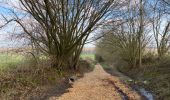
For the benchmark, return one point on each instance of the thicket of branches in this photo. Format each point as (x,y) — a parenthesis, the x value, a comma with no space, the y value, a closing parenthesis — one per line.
(161,28)
(129,38)
(143,27)
(60,28)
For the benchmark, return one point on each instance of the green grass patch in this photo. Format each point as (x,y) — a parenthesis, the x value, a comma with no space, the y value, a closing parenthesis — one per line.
(8,61)
(11,61)
(85,55)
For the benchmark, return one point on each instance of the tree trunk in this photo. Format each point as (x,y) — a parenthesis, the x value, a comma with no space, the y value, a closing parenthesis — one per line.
(140,32)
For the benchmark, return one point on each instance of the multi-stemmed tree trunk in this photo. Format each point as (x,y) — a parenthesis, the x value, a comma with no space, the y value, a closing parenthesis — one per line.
(59,28)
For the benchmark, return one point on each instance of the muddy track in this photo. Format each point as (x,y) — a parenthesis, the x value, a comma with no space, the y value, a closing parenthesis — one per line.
(99,85)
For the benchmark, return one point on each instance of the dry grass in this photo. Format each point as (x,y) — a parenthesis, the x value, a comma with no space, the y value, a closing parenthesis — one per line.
(19,83)
(156,74)
(29,81)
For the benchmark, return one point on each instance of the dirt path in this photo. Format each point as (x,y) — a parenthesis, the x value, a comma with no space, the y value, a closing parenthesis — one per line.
(98,85)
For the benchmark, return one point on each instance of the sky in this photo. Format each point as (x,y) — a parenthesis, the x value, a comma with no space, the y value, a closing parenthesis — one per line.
(5,34)
(5,41)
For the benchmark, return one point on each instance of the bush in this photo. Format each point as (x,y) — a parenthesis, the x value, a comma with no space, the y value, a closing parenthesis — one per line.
(99,58)
(149,58)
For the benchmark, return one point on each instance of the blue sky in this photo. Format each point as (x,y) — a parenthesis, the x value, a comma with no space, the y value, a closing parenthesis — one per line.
(5,41)
(4,33)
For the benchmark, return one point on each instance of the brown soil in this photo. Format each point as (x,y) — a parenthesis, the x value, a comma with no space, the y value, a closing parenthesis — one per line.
(98,85)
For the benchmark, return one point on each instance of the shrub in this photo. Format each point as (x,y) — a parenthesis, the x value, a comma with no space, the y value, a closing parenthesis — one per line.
(99,58)
(149,58)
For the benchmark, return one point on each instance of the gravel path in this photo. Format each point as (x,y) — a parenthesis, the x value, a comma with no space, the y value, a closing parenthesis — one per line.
(98,85)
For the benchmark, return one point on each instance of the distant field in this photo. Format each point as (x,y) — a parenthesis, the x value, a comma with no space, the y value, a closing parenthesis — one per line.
(10,60)
(88,52)
(84,55)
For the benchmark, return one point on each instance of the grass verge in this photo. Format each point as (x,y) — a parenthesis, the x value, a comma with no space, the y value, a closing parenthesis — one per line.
(153,76)
(36,82)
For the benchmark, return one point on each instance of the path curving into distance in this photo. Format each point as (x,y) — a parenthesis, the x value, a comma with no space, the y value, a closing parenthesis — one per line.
(99,85)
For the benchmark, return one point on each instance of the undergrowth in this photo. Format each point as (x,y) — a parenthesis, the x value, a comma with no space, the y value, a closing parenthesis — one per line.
(156,74)
(29,79)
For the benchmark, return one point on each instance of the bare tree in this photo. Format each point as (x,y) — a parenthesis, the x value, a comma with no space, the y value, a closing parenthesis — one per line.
(129,38)
(161,35)
(59,28)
